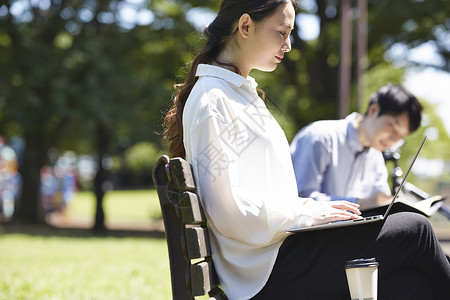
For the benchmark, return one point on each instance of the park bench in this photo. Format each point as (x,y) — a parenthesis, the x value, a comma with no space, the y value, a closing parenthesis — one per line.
(191,265)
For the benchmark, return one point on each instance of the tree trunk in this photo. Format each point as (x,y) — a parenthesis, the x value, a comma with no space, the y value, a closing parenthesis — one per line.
(101,177)
(29,208)
(99,194)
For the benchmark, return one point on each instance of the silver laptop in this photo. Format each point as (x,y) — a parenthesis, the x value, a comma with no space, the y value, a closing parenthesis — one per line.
(366,219)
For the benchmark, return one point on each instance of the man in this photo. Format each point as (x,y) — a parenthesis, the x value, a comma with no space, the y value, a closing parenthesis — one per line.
(342,159)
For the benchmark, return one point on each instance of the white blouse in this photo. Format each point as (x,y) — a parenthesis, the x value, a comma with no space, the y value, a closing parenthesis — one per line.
(244,175)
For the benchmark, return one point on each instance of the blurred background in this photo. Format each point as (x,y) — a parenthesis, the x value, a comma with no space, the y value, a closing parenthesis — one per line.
(84,85)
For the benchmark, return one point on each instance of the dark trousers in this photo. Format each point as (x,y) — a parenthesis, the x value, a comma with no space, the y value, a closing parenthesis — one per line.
(412,265)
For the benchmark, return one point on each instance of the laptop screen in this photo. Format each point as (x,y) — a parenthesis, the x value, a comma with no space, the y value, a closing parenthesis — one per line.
(404,178)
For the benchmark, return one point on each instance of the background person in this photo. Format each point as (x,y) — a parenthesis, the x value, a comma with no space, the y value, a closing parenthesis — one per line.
(10,180)
(343,159)
(246,183)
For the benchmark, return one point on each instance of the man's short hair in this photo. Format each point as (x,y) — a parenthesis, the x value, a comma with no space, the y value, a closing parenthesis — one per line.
(395,100)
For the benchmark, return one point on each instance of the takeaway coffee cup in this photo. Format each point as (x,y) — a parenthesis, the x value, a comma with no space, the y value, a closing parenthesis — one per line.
(362,278)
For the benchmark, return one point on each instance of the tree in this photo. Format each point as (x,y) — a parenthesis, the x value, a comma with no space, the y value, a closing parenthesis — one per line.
(76,78)
(78,75)
(312,95)
(31,91)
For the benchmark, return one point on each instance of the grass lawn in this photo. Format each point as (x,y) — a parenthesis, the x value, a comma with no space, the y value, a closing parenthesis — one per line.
(135,205)
(54,267)
(60,264)
(43,263)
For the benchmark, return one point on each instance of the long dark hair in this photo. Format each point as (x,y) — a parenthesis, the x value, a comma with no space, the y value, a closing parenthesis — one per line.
(218,33)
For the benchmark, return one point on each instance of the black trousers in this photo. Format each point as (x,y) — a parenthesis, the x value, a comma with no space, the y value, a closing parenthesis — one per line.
(412,265)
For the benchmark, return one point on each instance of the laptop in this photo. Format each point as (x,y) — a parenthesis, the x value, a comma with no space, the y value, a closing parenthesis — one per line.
(365,220)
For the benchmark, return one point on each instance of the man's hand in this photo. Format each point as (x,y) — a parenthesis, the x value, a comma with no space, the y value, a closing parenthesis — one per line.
(323,212)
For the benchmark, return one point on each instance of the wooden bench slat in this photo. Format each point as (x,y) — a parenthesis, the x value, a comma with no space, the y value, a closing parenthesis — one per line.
(217,294)
(190,207)
(202,278)
(197,242)
(181,174)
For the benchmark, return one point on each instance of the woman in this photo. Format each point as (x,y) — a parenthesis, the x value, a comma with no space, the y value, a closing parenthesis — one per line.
(245,179)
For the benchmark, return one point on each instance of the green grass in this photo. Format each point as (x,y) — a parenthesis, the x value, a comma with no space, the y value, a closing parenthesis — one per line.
(49,264)
(136,205)
(55,267)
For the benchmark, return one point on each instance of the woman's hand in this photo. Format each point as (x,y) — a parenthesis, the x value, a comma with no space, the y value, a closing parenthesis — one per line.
(323,212)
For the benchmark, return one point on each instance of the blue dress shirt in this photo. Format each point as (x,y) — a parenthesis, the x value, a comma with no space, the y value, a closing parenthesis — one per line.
(331,164)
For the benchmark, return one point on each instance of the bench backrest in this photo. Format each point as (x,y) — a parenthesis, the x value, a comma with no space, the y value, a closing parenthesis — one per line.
(191,266)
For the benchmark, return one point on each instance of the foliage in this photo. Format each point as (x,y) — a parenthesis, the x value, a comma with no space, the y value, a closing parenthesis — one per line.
(142,156)
(79,75)
(437,137)
(411,23)
(75,79)
(307,86)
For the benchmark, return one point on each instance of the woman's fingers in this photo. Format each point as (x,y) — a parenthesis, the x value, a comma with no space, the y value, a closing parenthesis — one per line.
(330,214)
(346,206)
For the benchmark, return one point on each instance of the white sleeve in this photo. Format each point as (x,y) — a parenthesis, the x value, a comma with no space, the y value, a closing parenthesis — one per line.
(241,185)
